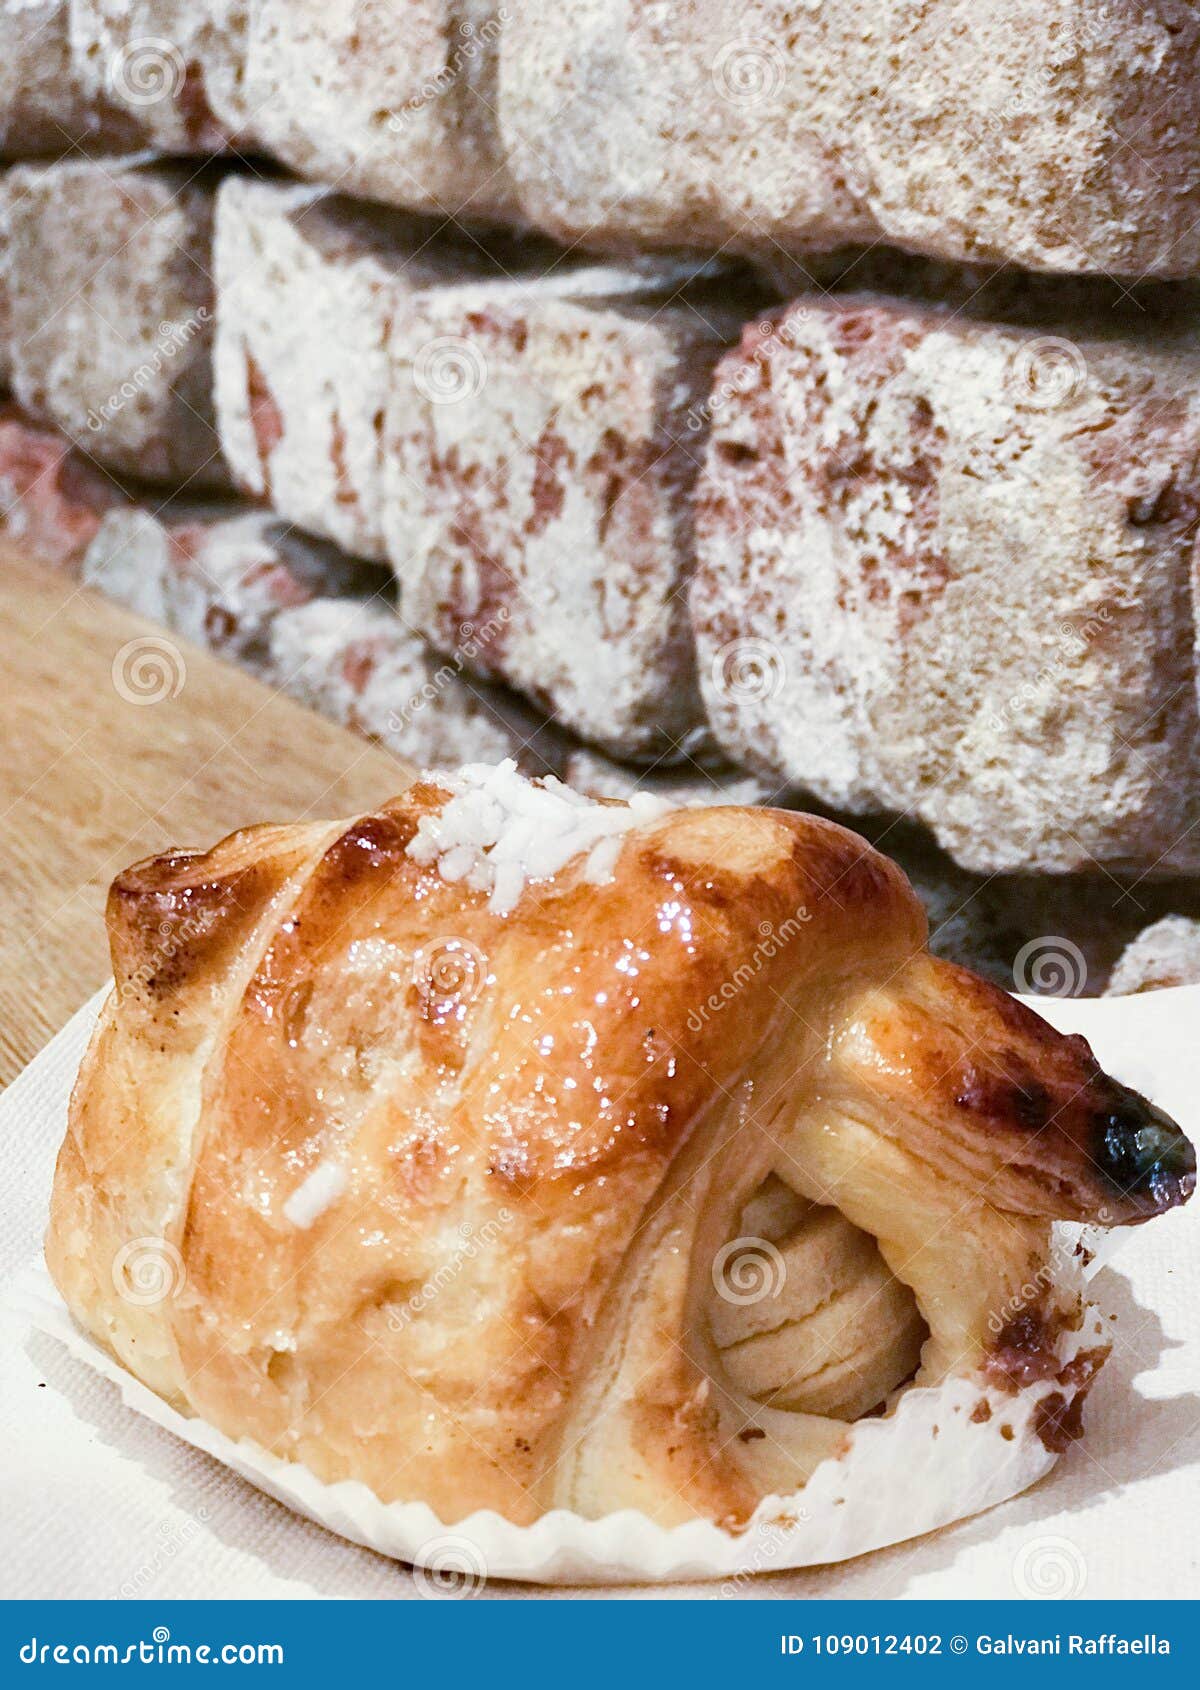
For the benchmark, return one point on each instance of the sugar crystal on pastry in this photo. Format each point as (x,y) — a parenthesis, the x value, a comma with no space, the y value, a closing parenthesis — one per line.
(499,830)
(311,1199)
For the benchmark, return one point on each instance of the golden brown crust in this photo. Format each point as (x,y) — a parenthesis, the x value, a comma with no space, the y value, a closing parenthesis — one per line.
(521,1131)
(175,927)
(173,916)
(1025,1108)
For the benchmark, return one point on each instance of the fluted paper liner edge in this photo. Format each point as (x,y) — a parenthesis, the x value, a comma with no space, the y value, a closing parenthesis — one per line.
(932,1460)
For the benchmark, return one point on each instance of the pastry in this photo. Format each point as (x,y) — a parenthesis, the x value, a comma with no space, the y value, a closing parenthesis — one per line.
(509,1150)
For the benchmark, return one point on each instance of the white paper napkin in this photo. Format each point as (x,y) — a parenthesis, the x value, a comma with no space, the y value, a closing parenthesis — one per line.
(107,1502)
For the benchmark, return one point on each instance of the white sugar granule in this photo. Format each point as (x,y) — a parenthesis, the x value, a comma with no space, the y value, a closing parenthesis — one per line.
(499,831)
(313,1196)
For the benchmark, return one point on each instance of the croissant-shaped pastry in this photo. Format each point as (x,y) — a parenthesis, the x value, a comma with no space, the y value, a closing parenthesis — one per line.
(507,1150)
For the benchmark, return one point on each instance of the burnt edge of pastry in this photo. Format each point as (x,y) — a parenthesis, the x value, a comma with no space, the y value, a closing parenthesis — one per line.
(1140,1150)
(169,916)
(1099,1150)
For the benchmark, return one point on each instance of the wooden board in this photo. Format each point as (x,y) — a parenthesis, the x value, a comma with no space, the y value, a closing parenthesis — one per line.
(120,740)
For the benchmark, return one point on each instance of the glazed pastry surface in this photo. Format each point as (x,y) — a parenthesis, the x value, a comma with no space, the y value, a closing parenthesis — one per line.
(457,1185)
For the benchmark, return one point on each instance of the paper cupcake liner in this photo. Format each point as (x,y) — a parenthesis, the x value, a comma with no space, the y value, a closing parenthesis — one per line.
(932,1460)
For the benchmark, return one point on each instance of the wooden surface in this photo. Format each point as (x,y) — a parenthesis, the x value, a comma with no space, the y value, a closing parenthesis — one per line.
(114,750)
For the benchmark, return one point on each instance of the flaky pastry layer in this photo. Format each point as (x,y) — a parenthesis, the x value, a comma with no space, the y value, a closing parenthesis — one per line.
(440,1198)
